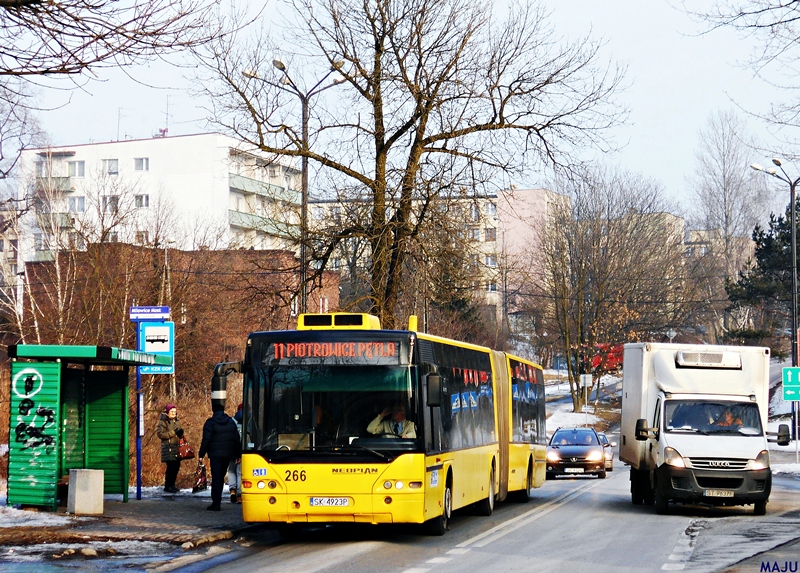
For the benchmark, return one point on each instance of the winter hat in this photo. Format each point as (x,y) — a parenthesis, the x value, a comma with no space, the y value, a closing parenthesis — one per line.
(239,409)
(169,407)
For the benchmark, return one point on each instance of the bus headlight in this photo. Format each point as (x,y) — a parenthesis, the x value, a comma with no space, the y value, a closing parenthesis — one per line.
(673,458)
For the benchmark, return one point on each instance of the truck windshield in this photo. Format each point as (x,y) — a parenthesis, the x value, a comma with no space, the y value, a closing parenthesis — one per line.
(324,407)
(717,417)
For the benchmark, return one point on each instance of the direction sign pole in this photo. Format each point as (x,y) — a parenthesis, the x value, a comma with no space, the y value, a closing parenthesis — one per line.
(139,429)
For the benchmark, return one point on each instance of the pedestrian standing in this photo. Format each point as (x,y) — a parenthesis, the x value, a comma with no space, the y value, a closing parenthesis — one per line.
(222,443)
(235,465)
(170,431)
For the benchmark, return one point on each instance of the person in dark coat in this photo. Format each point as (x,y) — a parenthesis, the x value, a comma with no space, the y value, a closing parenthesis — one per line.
(222,443)
(170,431)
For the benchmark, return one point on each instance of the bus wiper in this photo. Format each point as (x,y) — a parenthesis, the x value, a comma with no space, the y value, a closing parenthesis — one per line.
(370,450)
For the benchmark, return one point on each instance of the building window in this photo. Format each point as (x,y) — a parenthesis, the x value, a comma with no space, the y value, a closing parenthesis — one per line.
(111,166)
(491,287)
(476,212)
(110,203)
(13,245)
(13,267)
(491,209)
(76,241)
(474,260)
(491,261)
(474,233)
(77,204)
(491,234)
(141,200)
(142,238)
(77,168)
(39,242)
(141,164)
(41,169)
(2,245)
(112,238)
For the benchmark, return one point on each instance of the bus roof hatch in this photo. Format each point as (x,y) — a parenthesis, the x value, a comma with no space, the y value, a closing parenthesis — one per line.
(338,320)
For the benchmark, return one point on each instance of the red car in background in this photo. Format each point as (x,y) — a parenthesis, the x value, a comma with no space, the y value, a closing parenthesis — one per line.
(607,357)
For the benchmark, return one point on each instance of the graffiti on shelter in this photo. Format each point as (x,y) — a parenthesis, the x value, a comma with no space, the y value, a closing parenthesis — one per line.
(33,420)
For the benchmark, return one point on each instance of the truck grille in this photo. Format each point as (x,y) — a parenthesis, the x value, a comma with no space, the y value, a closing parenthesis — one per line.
(719,483)
(718,464)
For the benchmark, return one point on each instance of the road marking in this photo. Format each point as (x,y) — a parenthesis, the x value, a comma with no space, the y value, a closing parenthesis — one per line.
(439,560)
(522,520)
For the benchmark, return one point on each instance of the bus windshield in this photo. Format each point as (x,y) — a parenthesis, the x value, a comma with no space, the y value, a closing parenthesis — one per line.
(323,407)
(712,416)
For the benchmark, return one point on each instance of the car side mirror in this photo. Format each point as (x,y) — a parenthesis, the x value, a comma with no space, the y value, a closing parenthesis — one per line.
(434,382)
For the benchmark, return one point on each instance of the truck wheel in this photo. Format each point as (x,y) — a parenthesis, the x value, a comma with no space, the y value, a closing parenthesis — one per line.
(661,501)
(760,508)
(637,497)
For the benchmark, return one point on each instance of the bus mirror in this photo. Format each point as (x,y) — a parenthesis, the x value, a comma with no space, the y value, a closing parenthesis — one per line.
(434,390)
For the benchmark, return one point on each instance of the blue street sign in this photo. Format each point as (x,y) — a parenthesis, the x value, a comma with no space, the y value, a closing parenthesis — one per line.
(157,338)
(149,313)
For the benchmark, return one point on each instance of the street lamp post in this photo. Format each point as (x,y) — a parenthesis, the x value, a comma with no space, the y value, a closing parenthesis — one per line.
(783,176)
(288,85)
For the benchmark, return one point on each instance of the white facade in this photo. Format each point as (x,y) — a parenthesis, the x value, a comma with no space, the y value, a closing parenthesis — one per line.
(188,192)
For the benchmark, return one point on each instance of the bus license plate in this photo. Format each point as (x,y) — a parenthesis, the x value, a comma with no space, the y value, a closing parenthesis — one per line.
(573,470)
(330,501)
(717,493)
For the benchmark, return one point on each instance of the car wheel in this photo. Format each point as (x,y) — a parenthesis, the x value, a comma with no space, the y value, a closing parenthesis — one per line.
(549,475)
(602,474)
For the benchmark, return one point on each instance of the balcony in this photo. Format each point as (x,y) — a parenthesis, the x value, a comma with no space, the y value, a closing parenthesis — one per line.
(50,184)
(256,187)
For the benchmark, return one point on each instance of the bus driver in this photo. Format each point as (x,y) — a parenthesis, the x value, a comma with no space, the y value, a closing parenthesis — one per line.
(396,427)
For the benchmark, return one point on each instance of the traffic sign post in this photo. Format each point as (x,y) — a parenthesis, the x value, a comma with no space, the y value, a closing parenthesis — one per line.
(154,316)
(791,393)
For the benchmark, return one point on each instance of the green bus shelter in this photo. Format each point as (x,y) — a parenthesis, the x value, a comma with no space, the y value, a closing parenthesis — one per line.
(69,410)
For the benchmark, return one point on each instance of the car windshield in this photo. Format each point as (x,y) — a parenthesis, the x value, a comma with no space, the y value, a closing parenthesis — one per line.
(574,438)
(712,417)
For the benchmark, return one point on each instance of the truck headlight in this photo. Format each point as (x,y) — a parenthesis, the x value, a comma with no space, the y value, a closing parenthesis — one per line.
(760,463)
(673,458)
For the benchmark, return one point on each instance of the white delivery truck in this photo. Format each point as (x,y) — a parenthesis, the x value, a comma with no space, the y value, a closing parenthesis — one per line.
(694,421)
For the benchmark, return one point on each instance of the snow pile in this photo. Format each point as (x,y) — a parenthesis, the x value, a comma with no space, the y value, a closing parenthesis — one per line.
(10,517)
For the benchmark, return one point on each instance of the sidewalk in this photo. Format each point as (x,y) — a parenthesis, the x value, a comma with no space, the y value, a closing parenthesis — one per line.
(179,519)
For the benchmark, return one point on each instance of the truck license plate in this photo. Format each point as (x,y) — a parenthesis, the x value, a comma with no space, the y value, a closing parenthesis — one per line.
(330,501)
(573,470)
(717,493)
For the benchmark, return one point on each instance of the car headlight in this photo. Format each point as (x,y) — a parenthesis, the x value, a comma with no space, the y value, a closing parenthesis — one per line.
(673,458)
(594,456)
(553,456)
(760,463)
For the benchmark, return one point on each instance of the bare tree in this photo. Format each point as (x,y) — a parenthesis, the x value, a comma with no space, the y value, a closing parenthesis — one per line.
(431,97)
(43,37)
(730,200)
(612,265)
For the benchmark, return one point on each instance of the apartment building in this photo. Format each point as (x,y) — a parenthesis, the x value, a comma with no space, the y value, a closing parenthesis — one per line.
(203,191)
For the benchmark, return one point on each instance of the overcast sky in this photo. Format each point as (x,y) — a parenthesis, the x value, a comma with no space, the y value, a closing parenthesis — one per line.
(677,78)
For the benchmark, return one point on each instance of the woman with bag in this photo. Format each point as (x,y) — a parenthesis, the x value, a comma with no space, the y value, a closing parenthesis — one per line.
(170,432)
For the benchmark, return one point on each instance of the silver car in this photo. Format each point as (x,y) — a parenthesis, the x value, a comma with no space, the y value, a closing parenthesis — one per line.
(608,450)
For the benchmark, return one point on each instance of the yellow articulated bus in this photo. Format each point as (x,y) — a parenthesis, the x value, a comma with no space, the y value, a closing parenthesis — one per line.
(346,423)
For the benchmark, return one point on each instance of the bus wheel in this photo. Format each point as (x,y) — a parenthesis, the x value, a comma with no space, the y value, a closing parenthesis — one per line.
(524,495)
(486,506)
(438,525)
